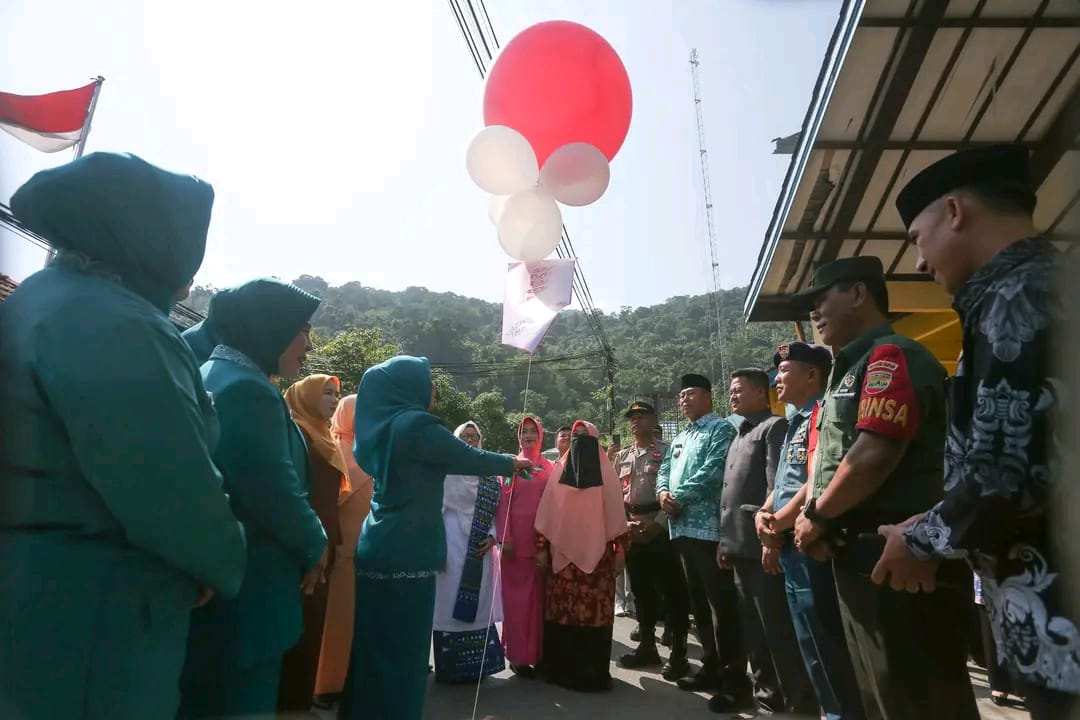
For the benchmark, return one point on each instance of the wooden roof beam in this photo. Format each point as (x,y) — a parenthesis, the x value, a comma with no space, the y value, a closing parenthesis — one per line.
(916,45)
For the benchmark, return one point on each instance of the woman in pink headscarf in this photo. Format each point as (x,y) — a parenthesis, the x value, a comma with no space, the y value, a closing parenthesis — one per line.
(354,503)
(522,580)
(583,540)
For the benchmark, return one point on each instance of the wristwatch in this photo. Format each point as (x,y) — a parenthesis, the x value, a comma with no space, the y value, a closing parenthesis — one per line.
(811,513)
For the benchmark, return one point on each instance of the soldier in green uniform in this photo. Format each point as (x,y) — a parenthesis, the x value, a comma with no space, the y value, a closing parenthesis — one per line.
(879,461)
(655,577)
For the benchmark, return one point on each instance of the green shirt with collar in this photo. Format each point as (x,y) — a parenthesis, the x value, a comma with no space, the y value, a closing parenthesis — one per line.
(693,472)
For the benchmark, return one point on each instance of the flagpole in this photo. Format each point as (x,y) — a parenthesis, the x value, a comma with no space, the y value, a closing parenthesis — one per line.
(82,140)
(89,118)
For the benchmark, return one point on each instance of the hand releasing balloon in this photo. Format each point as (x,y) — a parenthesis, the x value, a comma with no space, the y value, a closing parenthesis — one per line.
(559,82)
(576,174)
(530,226)
(501,161)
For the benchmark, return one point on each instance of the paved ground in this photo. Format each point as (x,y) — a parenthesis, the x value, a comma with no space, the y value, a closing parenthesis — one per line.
(636,696)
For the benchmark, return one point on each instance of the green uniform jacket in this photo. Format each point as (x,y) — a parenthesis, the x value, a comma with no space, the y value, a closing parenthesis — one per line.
(111,511)
(891,385)
(263,457)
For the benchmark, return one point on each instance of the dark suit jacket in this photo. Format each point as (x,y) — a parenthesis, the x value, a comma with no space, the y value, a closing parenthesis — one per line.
(748,479)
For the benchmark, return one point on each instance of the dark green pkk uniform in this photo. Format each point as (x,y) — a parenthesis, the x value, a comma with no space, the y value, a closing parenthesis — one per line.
(112,513)
(237,645)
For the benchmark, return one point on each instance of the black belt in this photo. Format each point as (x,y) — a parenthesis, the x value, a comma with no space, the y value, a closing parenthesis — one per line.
(643,508)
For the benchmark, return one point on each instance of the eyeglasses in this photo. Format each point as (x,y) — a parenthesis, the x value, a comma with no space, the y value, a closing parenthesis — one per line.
(469,436)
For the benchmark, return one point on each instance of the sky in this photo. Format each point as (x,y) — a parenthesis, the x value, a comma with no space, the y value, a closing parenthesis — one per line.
(335,135)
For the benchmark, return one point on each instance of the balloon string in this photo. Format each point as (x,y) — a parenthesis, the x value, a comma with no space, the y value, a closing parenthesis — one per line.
(496,585)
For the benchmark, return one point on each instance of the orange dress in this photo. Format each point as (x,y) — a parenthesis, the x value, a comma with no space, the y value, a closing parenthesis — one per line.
(354,504)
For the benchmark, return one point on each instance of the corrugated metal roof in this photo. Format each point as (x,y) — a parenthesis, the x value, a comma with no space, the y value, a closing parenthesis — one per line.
(904,84)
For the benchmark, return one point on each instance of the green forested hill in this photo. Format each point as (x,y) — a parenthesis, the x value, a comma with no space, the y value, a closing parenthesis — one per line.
(357,326)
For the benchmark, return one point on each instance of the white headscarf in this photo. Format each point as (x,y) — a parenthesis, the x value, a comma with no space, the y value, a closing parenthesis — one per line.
(469,424)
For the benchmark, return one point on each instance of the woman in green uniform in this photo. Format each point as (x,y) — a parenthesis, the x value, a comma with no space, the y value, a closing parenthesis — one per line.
(236,646)
(113,522)
(409,453)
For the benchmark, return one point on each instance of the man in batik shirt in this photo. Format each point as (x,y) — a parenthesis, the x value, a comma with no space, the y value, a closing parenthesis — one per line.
(970,215)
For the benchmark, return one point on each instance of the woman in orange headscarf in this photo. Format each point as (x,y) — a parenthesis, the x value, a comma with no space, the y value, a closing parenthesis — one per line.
(583,539)
(312,402)
(354,503)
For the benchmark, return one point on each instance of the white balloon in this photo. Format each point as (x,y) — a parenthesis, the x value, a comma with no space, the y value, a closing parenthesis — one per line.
(530,226)
(496,207)
(501,161)
(576,174)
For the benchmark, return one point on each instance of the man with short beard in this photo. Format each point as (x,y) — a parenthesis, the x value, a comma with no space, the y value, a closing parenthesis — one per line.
(970,215)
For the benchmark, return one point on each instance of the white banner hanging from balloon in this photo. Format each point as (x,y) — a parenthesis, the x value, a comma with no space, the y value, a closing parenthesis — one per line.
(535,293)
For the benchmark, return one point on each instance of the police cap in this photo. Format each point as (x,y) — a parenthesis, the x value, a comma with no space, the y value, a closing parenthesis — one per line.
(640,408)
(1005,166)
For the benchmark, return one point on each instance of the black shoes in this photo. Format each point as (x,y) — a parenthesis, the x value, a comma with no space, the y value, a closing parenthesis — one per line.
(523,671)
(676,666)
(703,679)
(643,656)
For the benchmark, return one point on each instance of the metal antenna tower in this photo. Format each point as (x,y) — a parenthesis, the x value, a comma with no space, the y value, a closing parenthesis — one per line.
(714,254)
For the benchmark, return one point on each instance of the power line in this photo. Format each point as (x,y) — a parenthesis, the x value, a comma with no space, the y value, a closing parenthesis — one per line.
(565,249)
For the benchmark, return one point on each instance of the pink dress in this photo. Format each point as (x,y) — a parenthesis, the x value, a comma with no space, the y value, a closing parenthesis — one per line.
(523,586)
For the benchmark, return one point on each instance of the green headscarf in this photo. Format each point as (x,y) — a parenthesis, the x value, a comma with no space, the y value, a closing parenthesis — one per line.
(203,337)
(392,392)
(143,224)
(260,318)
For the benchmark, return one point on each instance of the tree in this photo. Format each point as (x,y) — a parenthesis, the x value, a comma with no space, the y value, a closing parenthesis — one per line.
(349,354)
(489,412)
(451,405)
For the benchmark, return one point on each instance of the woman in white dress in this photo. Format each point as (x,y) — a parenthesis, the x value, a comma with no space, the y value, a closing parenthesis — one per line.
(467,645)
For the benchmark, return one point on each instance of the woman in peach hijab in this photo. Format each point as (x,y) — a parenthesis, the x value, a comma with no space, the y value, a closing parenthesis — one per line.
(354,503)
(312,402)
(583,540)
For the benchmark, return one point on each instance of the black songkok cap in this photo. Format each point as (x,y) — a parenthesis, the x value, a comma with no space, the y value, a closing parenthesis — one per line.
(999,164)
(693,380)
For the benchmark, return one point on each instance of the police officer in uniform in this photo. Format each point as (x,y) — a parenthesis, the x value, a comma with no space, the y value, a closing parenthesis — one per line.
(881,430)
(655,576)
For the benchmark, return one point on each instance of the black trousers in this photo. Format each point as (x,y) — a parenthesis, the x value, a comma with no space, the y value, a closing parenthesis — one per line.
(658,584)
(1000,680)
(715,605)
(909,650)
(776,666)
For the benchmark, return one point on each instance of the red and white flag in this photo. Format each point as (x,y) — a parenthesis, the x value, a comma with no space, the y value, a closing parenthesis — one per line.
(49,123)
(535,293)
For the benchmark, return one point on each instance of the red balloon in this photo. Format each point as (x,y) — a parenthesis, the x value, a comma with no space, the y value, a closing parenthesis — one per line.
(559,82)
